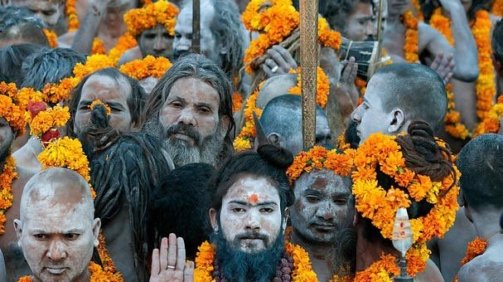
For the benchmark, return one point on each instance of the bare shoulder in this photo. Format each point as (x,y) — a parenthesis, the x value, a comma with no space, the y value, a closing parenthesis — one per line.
(66,39)
(130,55)
(432,40)
(481,269)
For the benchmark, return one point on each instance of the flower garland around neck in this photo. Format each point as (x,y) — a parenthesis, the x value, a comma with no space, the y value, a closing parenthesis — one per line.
(124,43)
(322,89)
(98,47)
(237,102)
(52,37)
(149,66)
(7,177)
(71,14)
(411,43)
(485,87)
(301,272)
(474,249)
(149,16)
(275,23)
(497,8)
(418,10)
(44,121)
(491,123)
(245,138)
(10,109)
(318,158)
(96,271)
(383,153)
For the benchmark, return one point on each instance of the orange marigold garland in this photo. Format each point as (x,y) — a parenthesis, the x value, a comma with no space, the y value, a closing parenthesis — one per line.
(12,113)
(98,47)
(71,13)
(52,38)
(244,141)
(237,102)
(124,43)
(301,272)
(98,274)
(474,249)
(93,63)
(411,44)
(98,102)
(47,120)
(322,89)
(7,177)
(380,205)
(149,16)
(146,67)
(497,8)
(491,123)
(318,158)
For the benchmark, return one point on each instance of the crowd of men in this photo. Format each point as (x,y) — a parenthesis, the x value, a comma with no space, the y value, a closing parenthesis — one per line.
(170,193)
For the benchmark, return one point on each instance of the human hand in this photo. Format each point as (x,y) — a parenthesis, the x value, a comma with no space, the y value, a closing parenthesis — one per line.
(348,77)
(444,66)
(279,61)
(168,264)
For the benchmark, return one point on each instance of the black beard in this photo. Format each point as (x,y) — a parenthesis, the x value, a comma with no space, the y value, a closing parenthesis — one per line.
(239,266)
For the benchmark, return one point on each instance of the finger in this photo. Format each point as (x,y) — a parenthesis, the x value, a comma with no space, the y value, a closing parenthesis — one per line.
(180,253)
(155,262)
(354,73)
(278,59)
(286,56)
(164,254)
(172,250)
(188,272)
(267,70)
(270,63)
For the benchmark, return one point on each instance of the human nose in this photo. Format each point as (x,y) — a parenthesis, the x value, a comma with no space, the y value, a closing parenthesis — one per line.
(252,221)
(326,211)
(187,117)
(57,250)
(356,115)
(158,44)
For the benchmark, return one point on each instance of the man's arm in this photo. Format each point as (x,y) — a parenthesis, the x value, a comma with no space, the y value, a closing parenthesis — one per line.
(465,50)
(3,272)
(83,41)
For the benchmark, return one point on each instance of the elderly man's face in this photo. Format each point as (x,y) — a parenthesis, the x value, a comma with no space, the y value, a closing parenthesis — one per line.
(111,92)
(190,120)
(156,42)
(46,10)
(57,237)
(322,206)
(182,43)
(250,216)
(6,138)
(359,25)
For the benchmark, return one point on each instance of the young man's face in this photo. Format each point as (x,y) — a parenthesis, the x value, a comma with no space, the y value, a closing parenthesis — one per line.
(359,24)
(111,92)
(49,11)
(250,216)
(322,206)
(156,42)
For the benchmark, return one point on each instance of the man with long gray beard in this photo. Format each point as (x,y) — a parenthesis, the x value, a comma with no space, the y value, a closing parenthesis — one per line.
(191,110)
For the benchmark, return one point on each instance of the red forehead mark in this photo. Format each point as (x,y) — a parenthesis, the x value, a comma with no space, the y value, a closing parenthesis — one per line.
(253,198)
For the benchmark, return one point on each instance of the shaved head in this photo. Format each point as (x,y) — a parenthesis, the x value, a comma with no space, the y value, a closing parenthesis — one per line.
(275,86)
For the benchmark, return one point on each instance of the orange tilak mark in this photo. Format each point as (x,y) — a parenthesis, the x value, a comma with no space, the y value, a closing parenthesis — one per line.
(253,198)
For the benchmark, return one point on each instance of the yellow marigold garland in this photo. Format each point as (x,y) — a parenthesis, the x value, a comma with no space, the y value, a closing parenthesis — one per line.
(98,102)
(411,44)
(244,141)
(237,102)
(71,13)
(322,88)
(491,123)
(52,38)
(149,16)
(93,63)
(497,8)
(474,249)
(124,43)
(97,275)
(7,177)
(51,118)
(301,272)
(380,205)
(318,158)
(12,113)
(275,24)
(98,47)
(146,67)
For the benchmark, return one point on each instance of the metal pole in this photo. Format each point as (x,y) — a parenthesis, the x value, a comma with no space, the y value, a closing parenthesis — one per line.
(309,64)
(196,26)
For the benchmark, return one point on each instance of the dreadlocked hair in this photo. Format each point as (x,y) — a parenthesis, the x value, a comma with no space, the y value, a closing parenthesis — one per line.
(130,170)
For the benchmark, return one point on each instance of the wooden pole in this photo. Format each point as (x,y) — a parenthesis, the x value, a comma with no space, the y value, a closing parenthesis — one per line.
(309,64)
(196,26)
(380,32)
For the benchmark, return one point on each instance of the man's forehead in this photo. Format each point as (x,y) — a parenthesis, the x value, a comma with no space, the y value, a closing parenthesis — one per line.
(322,180)
(194,88)
(253,190)
(98,85)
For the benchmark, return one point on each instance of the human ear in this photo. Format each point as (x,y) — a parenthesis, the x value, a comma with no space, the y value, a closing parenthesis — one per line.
(96,231)
(213,219)
(285,219)
(225,121)
(274,138)
(397,121)
(18,226)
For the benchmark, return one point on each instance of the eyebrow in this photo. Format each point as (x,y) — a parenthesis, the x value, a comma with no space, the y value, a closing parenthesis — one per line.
(312,191)
(243,203)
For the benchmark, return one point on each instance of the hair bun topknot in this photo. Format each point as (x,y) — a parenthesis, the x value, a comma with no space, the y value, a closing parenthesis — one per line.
(276,156)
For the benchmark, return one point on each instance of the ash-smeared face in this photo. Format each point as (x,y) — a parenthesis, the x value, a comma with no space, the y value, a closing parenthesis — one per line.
(323,206)
(250,217)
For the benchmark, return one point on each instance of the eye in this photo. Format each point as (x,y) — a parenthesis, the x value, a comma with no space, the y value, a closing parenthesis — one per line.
(149,36)
(312,199)
(166,35)
(341,202)
(49,13)
(266,210)
(40,236)
(204,110)
(72,236)
(178,35)
(238,210)
(176,104)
